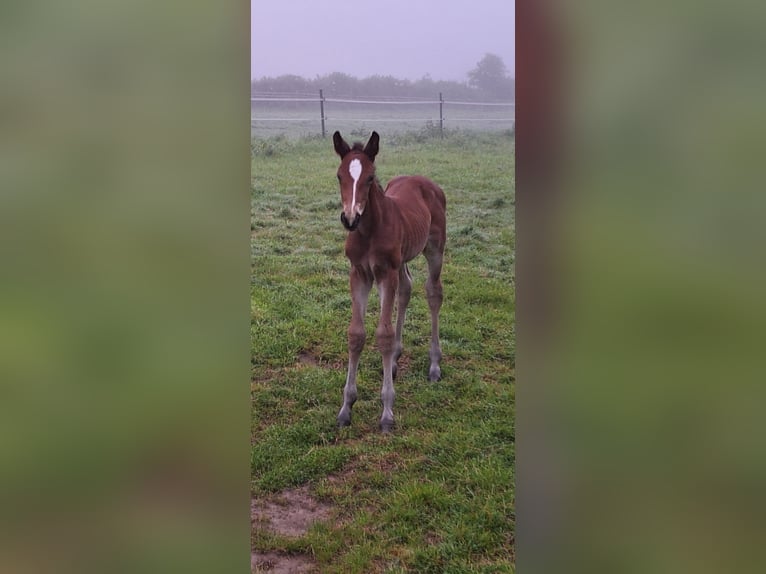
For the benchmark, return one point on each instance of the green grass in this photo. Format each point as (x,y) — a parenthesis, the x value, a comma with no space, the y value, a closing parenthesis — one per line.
(438,494)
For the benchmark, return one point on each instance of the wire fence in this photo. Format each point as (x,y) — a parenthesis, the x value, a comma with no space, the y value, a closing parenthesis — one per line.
(306,114)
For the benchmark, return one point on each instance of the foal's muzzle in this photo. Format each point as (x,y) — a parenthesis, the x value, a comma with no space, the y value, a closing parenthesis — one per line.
(350,226)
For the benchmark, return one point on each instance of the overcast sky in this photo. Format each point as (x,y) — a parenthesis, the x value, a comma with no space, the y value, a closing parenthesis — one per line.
(401,38)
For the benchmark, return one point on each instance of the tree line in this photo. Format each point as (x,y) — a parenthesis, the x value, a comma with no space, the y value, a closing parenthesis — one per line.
(489,80)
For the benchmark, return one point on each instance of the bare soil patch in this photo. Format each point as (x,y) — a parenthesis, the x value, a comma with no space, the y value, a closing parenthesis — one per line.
(306,358)
(312,358)
(274,563)
(289,513)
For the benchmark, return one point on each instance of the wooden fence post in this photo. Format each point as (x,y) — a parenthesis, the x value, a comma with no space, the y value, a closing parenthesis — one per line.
(321,110)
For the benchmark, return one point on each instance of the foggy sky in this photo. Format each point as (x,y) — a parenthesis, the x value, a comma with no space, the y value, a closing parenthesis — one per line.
(402,38)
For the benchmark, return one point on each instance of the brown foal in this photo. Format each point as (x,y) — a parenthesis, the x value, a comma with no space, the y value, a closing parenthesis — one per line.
(386,230)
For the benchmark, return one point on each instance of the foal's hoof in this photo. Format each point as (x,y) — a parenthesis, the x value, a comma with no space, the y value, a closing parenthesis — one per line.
(344,421)
(434,374)
(386,427)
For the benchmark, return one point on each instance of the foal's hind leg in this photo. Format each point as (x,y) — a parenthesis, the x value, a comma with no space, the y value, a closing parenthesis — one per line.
(402,300)
(434,254)
(360,283)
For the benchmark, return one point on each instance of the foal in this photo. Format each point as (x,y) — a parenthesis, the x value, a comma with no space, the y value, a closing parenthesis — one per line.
(386,230)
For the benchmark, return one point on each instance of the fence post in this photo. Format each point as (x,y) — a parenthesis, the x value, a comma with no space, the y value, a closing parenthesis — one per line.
(321,110)
(441,115)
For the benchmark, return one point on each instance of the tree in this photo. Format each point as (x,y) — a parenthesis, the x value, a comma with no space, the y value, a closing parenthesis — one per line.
(339,84)
(491,76)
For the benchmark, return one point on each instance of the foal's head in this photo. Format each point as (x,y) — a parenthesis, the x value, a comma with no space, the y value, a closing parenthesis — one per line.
(356,175)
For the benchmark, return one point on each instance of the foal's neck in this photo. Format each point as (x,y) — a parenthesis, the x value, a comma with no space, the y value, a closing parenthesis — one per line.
(373,213)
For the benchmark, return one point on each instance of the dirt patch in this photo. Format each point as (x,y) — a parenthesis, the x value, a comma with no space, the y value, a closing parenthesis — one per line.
(313,359)
(274,563)
(306,358)
(403,364)
(289,513)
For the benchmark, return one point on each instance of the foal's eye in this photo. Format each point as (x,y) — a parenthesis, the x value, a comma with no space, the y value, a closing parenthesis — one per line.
(369,179)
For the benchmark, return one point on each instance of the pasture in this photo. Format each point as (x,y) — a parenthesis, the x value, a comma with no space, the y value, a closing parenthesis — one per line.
(436,495)
(301,119)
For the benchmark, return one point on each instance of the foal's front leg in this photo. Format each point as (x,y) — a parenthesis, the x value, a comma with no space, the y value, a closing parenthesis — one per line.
(388,282)
(360,283)
(402,300)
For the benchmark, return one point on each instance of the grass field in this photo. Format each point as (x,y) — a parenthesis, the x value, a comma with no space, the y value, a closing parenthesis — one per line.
(437,495)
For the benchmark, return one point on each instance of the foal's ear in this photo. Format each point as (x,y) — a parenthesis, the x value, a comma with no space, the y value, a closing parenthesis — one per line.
(371,149)
(341,147)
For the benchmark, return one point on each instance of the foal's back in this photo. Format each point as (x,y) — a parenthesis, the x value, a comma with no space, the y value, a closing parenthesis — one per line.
(402,186)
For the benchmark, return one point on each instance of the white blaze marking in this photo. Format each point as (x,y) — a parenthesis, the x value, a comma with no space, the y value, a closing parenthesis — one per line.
(355,169)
